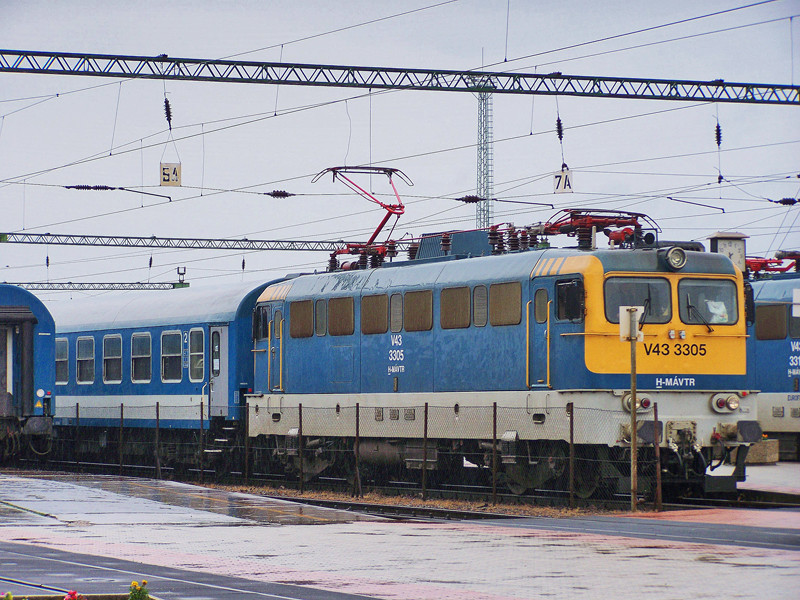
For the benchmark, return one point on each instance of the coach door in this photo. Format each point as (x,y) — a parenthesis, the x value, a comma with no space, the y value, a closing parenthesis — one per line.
(275,353)
(218,373)
(540,312)
(6,371)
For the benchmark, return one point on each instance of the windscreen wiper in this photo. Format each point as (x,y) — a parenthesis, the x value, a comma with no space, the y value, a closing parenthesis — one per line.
(645,308)
(692,308)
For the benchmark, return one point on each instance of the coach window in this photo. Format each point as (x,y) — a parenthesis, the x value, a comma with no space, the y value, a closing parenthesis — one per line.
(771,322)
(216,354)
(480,306)
(540,299)
(112,359)
(171,369)
(396,313)
(62,361)
(140,358)
(454,308)
(341,320)
(505,303)
(569,300)
(196,355)
(320,317)
(374,314)
(85,360)
(301,319)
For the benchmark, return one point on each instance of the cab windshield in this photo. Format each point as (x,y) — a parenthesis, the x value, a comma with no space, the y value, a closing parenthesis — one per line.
(653,293)
(707,301)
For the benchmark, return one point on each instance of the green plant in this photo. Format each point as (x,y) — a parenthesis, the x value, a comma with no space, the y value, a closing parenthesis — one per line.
(139,592)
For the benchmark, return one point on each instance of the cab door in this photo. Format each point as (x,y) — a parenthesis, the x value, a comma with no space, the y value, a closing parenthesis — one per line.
(540,314)
(275,335)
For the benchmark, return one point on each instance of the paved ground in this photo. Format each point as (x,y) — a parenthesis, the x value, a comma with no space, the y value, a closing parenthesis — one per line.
(251,543)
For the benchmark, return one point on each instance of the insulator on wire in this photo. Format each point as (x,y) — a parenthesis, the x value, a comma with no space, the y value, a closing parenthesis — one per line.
(168,112)
(279,194)
(242,264)
(47,261)
(559,129)
(150,265)
(718,135)
(786,201)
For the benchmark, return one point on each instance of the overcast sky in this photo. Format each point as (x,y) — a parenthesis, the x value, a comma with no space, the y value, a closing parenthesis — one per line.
(236,141)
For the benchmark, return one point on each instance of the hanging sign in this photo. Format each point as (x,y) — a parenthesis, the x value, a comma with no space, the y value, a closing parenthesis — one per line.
(562,182)
(171,174)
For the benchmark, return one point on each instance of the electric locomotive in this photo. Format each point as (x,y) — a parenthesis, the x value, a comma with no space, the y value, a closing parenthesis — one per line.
(774,353)
(26,374)
(481,321)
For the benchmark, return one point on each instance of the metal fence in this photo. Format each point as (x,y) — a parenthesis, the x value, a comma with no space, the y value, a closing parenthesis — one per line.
(569,451)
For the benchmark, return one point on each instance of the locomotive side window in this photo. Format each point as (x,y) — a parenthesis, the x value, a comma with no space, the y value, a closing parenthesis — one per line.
(540,300)
(374,314)
(140,358)
(771,322)
(320,317)
(704,301)
(794,325)
(480,306)
(264,316)
(277,327)
(112,359)
(505,303)
(171,370)
(301,319)
(340,316)
(62,361)
(396,313)
(454,308)
(651,292)
(196,355)
(85,360)
(418,310)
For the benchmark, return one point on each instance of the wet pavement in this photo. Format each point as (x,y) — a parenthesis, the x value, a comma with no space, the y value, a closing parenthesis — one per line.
(257,542)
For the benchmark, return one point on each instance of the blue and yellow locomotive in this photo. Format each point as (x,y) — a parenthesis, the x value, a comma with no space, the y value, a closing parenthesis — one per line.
(466,325)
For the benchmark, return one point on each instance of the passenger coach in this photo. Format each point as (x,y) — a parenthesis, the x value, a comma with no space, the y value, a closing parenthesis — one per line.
(186,351)
(26,373)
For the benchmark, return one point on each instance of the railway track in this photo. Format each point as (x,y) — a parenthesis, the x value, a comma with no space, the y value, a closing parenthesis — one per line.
(476,495)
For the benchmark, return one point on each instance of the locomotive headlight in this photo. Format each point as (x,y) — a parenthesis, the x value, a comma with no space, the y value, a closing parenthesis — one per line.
(732,402)
(40,393)
(675,258)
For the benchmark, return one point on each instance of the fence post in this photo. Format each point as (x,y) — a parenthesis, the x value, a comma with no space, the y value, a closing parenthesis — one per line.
(78,435)
(425,456)
(158,444)
(121,426)
(300,443)
(657,444)
(246,441)
(571,415)
(202,441)
(357,491)
(494,453)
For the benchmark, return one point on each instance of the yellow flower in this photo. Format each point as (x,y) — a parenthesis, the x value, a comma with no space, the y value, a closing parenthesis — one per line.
(144,582)
(135,584)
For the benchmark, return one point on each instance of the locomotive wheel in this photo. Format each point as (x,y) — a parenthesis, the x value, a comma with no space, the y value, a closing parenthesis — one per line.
(587,472)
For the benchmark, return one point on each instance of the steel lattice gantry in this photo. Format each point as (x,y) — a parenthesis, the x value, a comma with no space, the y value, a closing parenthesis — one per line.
(70,286)
(126,241)
(234,71)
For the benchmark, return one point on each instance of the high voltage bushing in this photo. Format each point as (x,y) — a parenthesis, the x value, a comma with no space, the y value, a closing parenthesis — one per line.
(362,260)
(523,239)
(413,248)
(333,264)
(391,249)
(446,243)
(513,240)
